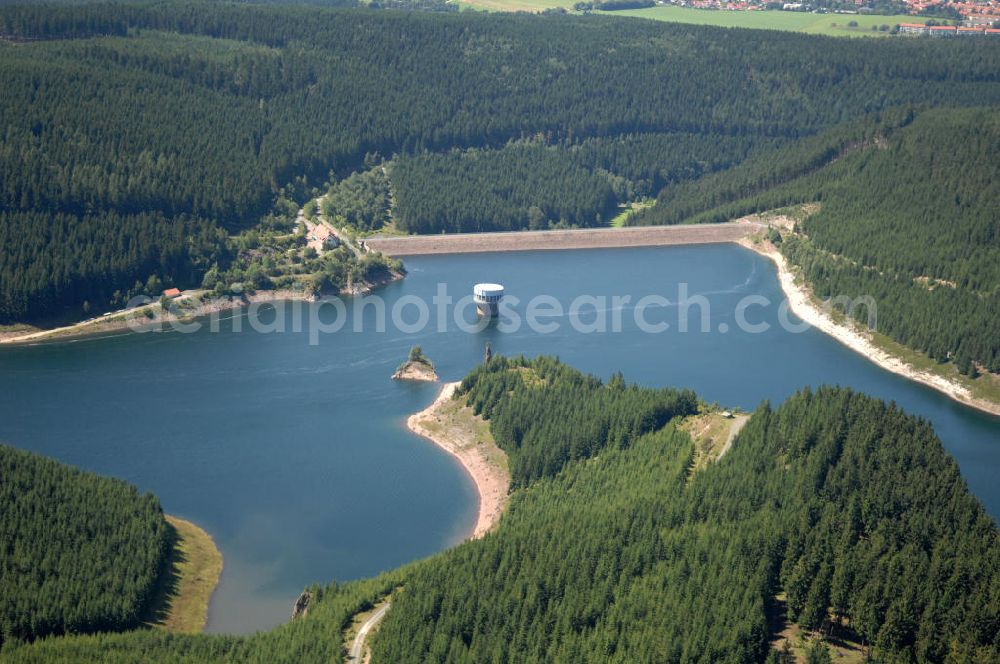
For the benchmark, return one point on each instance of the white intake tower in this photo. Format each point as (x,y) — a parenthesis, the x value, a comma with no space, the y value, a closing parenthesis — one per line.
(487,297)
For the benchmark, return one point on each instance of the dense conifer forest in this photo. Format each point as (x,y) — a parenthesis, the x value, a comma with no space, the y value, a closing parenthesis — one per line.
(846,505)
(78,552)
(534,185)
(833,510)
(573,417)
(155,144)
(196,115)
(907,214)
(361,200)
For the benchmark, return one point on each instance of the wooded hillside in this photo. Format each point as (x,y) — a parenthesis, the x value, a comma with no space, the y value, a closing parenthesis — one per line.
(833,509)
(194,115)
(907,214)
(843,504)
(78,552)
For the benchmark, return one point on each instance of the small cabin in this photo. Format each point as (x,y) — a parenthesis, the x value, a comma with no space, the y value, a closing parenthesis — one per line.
(171,293)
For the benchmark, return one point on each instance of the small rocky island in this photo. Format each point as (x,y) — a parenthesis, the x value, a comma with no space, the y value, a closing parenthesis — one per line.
(416,367)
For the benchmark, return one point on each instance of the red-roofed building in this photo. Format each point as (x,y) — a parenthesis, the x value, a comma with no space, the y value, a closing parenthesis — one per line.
(942,31)
(993,32)
(171,293)
(320,237)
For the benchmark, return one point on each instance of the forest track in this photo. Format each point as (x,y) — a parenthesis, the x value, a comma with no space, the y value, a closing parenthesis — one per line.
(738,422)
(357,650)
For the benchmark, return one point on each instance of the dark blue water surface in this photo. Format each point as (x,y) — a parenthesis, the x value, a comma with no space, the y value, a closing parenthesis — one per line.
(295,458)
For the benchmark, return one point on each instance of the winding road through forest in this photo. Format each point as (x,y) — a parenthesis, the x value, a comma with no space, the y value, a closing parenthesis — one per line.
(358,647)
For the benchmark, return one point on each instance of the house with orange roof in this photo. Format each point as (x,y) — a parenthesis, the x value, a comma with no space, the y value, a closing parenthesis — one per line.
(942,31)
(322,237)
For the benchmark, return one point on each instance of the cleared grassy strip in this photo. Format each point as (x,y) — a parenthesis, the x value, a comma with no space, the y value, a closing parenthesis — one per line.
(194,568)
(17,329)
(514,5)
(712,432)
(457,422)
(835,25)
(628,210)
(764,20)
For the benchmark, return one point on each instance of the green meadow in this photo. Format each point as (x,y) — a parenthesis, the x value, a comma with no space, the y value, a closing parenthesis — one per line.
(836,25)
(819,24)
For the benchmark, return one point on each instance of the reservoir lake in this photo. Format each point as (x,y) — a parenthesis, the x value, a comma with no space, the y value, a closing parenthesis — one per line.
(296,459)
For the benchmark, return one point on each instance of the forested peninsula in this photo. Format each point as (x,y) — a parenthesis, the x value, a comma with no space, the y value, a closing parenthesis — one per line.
(79,553)
(834,516)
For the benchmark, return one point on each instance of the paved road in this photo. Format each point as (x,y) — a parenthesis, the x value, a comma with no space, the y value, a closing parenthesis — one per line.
(358,647)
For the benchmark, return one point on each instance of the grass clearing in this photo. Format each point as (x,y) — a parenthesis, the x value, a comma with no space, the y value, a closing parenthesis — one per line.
(514,5)
(834,25)
(530,377)
(760,20)
(465,430)
(629,209)
(194,567)
(712,433)
(17,329)
(843,644)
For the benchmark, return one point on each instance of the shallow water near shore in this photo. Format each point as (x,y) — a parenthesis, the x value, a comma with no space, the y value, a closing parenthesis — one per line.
(294,456)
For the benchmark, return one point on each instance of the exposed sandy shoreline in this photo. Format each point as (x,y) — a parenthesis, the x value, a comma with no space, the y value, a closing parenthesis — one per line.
(799,297)
(800,301)
(461,441)
(119,321)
